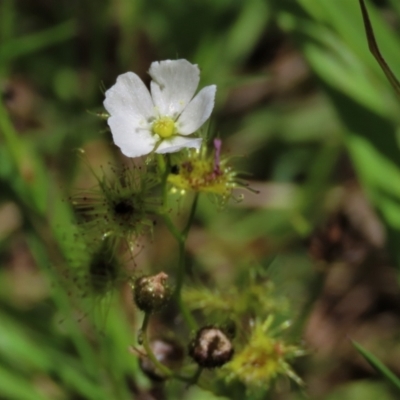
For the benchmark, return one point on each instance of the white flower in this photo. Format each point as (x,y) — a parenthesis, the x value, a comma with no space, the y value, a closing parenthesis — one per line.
(141,122)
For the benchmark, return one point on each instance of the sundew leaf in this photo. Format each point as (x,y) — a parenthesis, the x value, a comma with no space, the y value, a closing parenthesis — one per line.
(378,365)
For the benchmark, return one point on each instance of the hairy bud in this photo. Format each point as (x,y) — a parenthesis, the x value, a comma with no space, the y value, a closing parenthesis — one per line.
(151,293)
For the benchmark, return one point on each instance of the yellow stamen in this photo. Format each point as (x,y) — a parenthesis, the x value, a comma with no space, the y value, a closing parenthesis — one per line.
(164,127)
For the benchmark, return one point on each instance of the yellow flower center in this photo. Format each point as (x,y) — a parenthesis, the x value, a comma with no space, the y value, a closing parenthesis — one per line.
(164,127)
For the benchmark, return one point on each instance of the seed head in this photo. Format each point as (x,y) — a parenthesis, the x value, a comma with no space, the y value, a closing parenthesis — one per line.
(211,347)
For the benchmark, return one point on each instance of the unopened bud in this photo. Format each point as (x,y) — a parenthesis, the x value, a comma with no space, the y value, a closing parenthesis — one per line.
(211,347)
(151,293)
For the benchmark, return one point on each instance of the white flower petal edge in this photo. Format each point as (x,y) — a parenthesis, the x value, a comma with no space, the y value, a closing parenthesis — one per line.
(130,106)
(178,143)
(197,112)
(129,96)
(133,142)
(174,84)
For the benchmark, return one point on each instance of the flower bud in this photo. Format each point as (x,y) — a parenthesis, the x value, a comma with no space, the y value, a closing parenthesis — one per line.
(211,347)
(151,293)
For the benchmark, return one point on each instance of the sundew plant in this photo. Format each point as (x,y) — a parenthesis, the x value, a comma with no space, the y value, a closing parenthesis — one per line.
(199,200)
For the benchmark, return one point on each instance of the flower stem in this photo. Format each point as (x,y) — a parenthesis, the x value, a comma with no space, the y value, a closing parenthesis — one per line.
(180,237)
(196,375)
(164,168)
(191,216)
(182,267)
(143,339)
(182,245)
(172,228)
(187,315)
(168,373)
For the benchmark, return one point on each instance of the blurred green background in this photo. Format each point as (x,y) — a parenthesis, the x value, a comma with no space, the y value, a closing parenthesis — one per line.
(316,125)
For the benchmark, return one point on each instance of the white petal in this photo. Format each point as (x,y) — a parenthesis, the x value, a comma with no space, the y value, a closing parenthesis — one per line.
(133,139)
(177,143)
(174,84)
(197,112)
(129,96)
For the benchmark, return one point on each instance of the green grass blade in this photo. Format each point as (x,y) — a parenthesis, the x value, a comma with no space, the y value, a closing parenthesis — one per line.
(378,365)
(373,46)
(36,41)
(15,387)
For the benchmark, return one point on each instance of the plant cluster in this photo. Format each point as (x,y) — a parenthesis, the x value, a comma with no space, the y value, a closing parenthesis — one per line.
(164,127)
(135,259)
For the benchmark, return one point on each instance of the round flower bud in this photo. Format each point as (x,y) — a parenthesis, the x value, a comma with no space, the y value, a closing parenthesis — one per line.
(168,352)
(211,347)
(151,293)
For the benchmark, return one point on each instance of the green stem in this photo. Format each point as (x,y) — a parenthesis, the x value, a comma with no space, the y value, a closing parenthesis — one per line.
(182,267)
(182,245)
(164,163)
(144,340)
(191,322)
(172,228)
(180,237)
(196,375)
(191,216)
